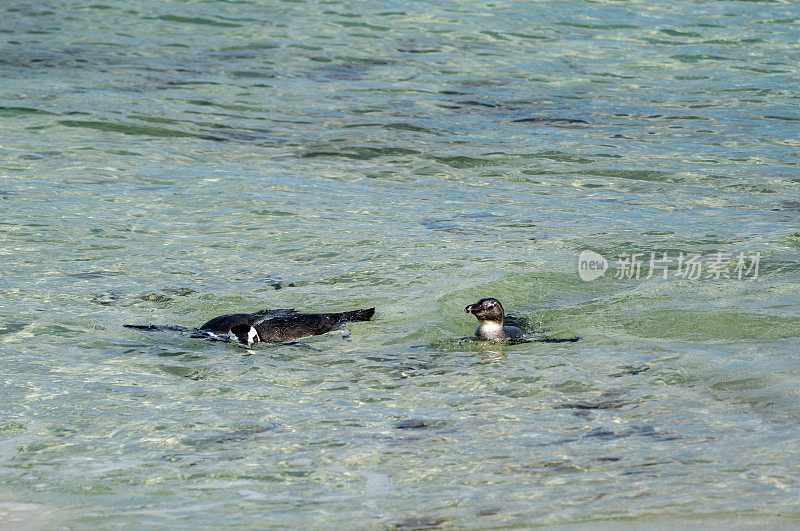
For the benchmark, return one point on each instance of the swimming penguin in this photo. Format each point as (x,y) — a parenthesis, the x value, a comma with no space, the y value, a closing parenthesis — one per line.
(272,326)
(491,317)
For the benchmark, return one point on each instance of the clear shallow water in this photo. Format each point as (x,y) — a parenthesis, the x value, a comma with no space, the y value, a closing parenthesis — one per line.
(169,161)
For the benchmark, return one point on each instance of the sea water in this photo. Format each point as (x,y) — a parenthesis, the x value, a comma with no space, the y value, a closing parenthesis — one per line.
(168,161)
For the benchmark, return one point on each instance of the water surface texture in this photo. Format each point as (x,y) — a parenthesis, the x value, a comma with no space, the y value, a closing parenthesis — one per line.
(168,161)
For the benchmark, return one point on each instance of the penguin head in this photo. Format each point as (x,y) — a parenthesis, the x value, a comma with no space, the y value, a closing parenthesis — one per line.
(245,334)
(487,310)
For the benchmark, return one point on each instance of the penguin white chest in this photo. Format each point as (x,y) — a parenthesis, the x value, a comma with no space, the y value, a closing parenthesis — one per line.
(491,330)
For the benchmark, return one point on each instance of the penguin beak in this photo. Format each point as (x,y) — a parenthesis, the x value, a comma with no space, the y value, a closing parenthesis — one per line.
(468,309)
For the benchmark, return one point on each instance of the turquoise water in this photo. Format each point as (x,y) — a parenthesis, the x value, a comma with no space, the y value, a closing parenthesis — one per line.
(165,162)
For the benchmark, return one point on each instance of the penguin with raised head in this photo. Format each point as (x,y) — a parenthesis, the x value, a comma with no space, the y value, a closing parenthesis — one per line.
(491,319)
